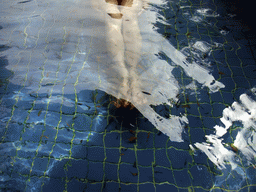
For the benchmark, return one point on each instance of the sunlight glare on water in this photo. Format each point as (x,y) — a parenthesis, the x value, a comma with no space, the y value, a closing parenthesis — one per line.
(64,57)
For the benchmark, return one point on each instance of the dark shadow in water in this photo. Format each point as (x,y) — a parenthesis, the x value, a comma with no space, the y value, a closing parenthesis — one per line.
(124,113)
(239,14)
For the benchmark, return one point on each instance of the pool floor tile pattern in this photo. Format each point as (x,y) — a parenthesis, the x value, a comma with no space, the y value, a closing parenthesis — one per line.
(67,148)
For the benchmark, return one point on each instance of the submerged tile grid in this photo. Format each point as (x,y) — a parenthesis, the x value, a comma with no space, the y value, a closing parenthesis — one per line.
(64,147)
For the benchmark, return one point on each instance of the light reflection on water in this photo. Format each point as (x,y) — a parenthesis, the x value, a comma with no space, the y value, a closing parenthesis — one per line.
(59,49)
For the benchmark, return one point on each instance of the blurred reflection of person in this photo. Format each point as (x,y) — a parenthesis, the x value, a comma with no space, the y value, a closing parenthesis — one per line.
(124,44)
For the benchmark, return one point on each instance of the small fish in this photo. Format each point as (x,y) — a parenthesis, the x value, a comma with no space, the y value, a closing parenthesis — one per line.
(185,106)
(134,174)
(177,105)
(68,124)
(234,148)
(44,136)
(145,91)
(132,139)
(188,35)
(24,1)
(121,154)
(148,136)
(197,103)
(39,113)
(131,131)
(204,55)
(221,73)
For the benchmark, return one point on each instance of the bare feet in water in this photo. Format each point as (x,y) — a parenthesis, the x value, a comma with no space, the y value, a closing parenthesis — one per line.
(121,103)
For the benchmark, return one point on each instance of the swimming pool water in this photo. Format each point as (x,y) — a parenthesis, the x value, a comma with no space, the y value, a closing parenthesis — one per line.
(60,126)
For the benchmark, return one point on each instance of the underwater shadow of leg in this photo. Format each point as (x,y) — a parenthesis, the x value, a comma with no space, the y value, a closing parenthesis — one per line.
(124,113)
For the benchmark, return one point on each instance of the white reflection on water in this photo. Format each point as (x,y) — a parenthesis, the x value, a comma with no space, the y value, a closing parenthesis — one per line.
(63,47)
(217,150)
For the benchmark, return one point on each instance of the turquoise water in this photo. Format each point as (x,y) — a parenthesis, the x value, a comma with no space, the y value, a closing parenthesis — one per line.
(185,63)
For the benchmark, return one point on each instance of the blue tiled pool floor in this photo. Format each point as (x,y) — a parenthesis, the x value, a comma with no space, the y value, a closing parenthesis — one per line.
(59,134)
